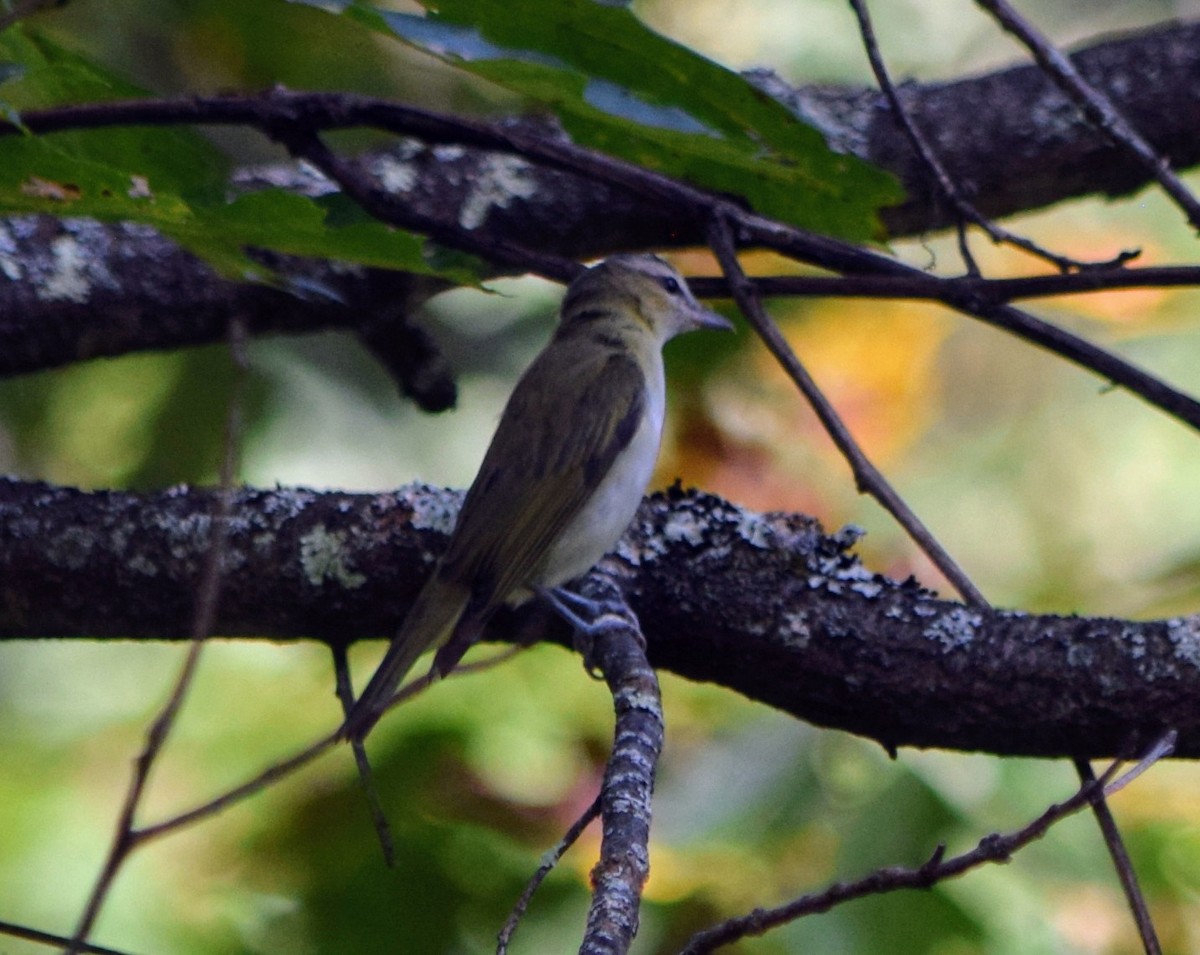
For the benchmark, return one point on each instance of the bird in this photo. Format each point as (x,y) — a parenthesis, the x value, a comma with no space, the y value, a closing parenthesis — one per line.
(566,469)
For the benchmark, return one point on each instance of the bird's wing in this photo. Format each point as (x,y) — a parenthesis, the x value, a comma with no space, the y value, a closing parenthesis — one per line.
(563,427)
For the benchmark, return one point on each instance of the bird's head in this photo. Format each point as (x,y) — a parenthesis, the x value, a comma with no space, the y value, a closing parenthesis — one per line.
(641,288)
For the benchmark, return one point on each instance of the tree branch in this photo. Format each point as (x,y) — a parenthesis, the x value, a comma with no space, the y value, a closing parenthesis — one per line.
(995,848)
(1011,138)
(294,119)
(618,651)
(1101,111)
(77,289)
(763,604)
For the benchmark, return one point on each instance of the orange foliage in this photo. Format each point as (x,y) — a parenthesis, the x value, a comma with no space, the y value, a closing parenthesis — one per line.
(754,439)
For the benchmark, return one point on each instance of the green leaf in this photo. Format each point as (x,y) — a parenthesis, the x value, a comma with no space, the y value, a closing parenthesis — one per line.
(297,225)
(47,174)
(619,87)
(168,159)
(36,176)
(114,174)
(176,181)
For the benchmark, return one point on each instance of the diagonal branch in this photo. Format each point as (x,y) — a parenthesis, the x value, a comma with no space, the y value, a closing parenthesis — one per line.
(13,930)
(304,144)
(1095,105)
(920,286)
(757,231)
(867,477)
(126,837)
(871,481)
(293,117)
(549,861)
(1126,873)
(997,847)
(924,149)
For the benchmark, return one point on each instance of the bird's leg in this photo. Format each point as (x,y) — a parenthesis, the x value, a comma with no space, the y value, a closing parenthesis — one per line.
(564,603)
(602,615)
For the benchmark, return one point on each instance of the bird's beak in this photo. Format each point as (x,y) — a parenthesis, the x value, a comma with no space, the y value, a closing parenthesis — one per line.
(707,318)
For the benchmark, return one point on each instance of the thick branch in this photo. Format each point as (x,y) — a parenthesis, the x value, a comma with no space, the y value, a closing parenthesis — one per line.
(77,289)
(1011,139)
(294,119)
(763,604)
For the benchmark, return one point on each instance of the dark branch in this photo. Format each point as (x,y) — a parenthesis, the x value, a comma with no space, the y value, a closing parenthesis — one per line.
(756,231)
(867,477)
(549,861)
(79,289)
(279,114)
(1126,874)
(1012,138)
(964,209)
(13,930)
(1101,111)
(763,604)
(997,847)
(922,286)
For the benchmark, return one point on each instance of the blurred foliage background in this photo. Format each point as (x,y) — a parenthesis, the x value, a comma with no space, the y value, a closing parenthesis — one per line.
(1054,494)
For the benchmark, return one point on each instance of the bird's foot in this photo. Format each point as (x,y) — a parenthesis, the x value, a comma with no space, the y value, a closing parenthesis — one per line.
(589,618)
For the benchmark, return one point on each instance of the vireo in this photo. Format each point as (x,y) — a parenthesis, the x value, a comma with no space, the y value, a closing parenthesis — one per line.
(566,469)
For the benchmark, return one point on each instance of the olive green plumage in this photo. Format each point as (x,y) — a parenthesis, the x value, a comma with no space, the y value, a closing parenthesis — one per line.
(566,469)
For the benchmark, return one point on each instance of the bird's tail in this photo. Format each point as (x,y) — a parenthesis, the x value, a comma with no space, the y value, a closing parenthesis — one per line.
(430,624)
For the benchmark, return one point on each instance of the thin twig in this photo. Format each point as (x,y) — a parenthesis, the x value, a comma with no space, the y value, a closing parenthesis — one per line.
(1116,844)
(422,683)
(305,144)
(997,847)
(249,788)
(866,476)
(125,839)
(1098,108)
(345,694)
(921,145)
(962,238)
(549,861)
(1162,748)
(756,231)
(921,286)
(49,938)
(1126,874)
(298,760)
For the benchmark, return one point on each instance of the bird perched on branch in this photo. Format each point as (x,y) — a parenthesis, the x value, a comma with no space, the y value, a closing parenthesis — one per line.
(565,472)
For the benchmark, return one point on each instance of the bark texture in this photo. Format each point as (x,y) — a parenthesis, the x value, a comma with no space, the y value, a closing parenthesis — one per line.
(75,288)
(765,604)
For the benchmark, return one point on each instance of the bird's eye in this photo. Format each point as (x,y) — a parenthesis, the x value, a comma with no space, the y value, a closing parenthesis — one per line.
(671,285)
